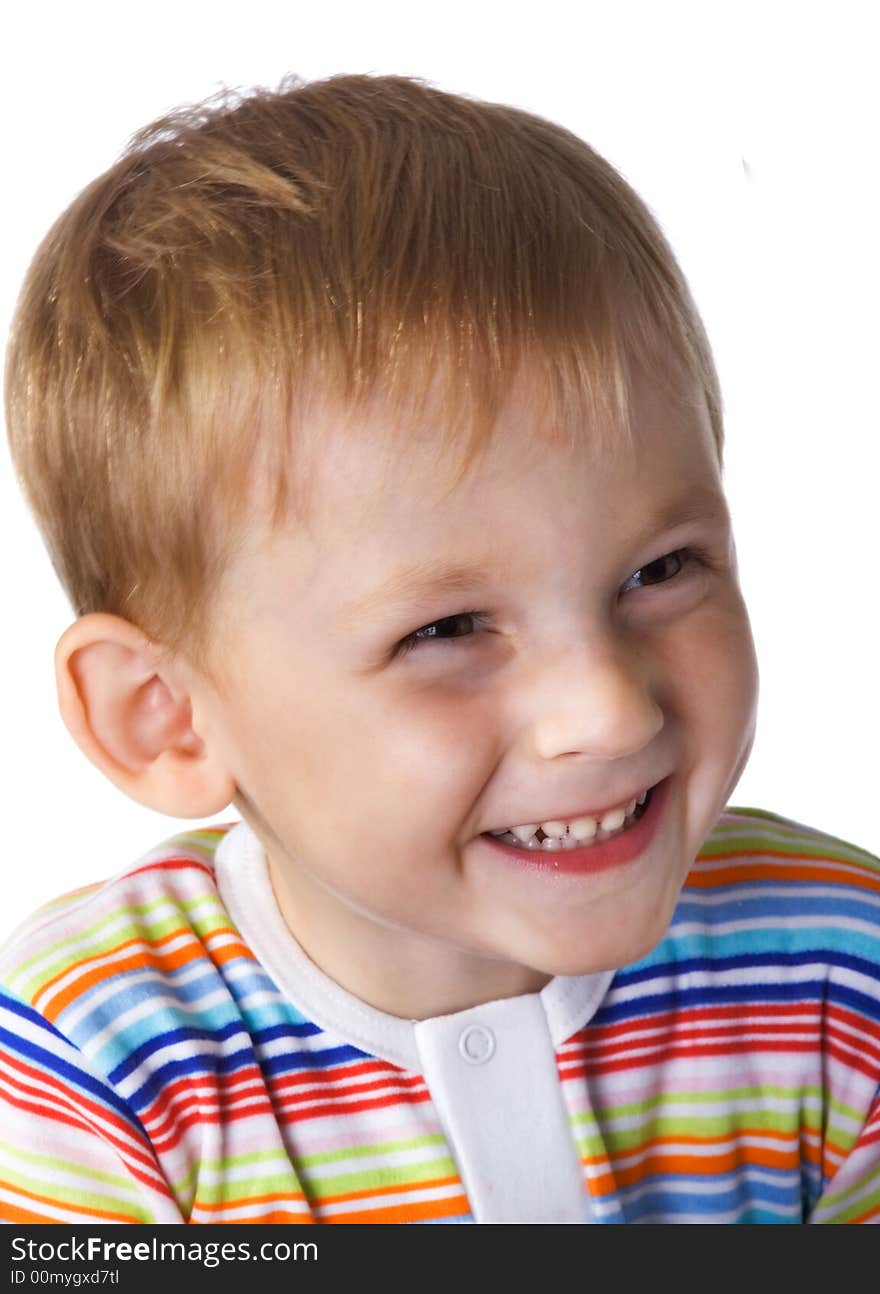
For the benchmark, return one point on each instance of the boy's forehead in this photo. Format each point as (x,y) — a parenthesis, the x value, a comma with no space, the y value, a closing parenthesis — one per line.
(385,525)
(380,451)
(384,493)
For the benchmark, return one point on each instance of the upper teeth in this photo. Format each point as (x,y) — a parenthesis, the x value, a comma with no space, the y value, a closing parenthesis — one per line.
(579,828)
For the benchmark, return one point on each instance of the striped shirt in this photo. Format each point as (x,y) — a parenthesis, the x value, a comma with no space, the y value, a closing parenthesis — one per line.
(166,1057)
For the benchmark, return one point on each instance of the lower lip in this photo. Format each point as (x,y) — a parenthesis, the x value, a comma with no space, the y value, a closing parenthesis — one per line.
(597,857)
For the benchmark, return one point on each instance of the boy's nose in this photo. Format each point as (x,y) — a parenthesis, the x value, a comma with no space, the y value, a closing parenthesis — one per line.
(596,702)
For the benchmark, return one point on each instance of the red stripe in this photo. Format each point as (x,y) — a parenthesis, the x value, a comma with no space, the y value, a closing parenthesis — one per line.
(356,1070)
(172,864)
(356,1107)
(163,1117)
(656,1032)
(679,1051)
(294,1094)
(663,1019)
(36,1080)
(683,1029)
(33,1101)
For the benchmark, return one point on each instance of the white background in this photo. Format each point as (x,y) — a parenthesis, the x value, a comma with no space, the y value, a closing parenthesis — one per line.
(750,129)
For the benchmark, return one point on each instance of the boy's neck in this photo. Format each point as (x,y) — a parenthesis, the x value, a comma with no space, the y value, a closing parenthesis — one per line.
(395,971)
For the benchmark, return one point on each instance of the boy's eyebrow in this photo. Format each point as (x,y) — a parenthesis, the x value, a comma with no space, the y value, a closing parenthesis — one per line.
(701,503)
(438,575)
(420,580)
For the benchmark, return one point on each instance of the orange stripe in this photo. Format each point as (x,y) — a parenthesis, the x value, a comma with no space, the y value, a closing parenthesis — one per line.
(12,1214)
(393,1189)
(145,958)
(288,1197)
(274,1216)
(601,1184)
(81,1208)
(426,1211)
(87,978)
(202,940)
(740,1135)
(797,870)
(695,1165)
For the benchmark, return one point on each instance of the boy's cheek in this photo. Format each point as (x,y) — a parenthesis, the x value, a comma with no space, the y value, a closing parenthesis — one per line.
(714,658)
(451,700)
(718,699)
(438,745)
(738,684)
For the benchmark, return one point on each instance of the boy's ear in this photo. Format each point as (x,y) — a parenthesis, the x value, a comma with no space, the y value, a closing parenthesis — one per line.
(132,723)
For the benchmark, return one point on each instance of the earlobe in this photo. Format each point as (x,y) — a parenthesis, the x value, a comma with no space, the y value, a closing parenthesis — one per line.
(130,723)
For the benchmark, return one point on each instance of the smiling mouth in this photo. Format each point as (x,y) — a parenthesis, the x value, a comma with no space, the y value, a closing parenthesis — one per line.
(607,850)
(540,841)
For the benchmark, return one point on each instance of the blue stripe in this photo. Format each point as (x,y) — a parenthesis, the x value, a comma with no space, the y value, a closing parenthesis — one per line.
(649,969)
(761,906)
(804,992)
(159,1042)
(745,1196)
(834,947)
(50,1062)
(192,1033)
(199,1065)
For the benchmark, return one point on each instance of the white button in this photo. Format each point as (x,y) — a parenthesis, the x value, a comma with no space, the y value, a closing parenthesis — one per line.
(476,1044)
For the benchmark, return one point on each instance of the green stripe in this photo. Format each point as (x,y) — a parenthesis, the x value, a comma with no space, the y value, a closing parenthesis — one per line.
(379,1148)
(184,1186)
(241,1190)
(753,1093)
(89,943)
(252,1157)
(832,1200)
(790,838)
(806,849)
(386,1175)
(78,1196)
(617,1140)
(52,1164)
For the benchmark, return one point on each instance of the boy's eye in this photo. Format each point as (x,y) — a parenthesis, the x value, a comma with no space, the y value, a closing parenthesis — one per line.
(466,624)
(659,572)
(457,626)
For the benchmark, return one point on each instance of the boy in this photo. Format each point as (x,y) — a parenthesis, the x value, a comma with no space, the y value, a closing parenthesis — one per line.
(375,436)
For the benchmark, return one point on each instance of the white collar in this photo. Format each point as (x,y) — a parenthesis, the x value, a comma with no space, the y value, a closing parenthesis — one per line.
(569,1001)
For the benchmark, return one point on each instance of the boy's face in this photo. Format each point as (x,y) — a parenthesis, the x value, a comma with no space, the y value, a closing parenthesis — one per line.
(372,774)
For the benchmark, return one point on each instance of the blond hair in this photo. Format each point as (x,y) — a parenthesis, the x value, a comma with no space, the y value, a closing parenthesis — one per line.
(361,235)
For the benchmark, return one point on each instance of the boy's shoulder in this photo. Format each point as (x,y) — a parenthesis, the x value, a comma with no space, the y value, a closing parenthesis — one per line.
(772,911)
(766,890)
(163,909)
(750,845)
